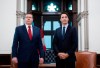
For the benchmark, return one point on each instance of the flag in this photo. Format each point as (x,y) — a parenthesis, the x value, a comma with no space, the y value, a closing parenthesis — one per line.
(42,37)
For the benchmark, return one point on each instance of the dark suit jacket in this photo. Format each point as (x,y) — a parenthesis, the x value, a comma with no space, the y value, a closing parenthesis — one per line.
(25,49)
(68,44)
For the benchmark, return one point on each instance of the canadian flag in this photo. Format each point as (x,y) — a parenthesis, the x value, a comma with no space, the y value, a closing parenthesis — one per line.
(42,37)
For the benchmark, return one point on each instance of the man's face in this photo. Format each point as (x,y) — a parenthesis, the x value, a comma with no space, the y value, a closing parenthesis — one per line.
(64,19)
(28,19)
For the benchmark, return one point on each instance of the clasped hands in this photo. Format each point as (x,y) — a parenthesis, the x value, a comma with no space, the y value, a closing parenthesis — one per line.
(63,55)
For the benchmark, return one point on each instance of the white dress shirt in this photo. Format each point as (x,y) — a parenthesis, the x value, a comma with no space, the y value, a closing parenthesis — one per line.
(28,28)
(66,26)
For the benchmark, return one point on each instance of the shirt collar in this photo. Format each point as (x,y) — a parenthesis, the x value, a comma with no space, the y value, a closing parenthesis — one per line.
(65,26)
(28,25)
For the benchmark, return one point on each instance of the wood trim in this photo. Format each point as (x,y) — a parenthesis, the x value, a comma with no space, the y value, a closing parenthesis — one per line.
(52,65)
(5,59)
(7,62)
(29,5)
(98,59)
(5,65)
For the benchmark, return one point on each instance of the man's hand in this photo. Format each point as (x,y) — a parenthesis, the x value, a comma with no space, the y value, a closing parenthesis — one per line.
(63,55)
(41,60)
(15,60)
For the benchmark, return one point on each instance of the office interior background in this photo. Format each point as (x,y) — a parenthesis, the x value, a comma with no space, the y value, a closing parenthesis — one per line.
(84,15)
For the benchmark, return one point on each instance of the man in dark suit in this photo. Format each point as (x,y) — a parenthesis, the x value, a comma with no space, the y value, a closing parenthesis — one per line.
(26,43)
(65,43)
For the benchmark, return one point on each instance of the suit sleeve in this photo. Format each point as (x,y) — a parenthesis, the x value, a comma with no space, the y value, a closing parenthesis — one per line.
(15,43)
(55,43)
(41,46)
(74,42)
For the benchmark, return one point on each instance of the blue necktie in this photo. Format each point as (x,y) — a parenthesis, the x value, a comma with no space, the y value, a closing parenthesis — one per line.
(63,31)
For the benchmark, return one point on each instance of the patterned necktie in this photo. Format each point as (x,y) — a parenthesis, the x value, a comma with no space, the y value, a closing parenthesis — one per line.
(30,32)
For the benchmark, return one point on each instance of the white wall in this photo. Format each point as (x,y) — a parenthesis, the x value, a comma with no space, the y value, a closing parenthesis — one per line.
(7,24)
(94,25)
(21,11)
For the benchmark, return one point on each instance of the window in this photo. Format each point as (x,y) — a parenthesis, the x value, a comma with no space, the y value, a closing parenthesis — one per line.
(51,5)
(49,28)
(52,8)
(69,6)
(70,23)
(47,25)
(56,24)
(47,39)
(33,7)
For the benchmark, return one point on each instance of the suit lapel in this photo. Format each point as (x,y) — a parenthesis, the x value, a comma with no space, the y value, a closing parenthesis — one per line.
(67,31)
(25,32)
(68,28)
(33,32)
(60,33)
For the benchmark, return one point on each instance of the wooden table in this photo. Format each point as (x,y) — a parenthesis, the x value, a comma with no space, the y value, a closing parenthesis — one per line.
(51,65)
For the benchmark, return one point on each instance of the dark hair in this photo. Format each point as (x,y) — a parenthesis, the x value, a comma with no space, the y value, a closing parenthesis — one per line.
(30,12)
(64,13)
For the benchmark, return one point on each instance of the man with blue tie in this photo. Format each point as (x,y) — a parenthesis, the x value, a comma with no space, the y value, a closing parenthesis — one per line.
(65,43)
(26,43)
